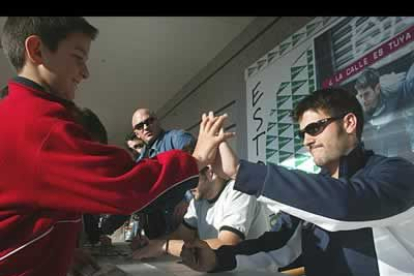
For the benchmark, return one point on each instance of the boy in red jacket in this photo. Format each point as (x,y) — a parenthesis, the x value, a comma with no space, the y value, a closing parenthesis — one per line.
(50,169)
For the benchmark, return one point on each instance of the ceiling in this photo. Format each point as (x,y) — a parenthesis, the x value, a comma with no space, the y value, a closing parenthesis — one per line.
(144,61)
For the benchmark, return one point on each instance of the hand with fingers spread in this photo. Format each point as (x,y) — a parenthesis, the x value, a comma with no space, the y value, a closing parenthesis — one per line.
(199,256)
(210,136)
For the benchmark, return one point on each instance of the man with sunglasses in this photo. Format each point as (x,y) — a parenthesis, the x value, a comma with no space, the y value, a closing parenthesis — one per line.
(147,127)
(356,217)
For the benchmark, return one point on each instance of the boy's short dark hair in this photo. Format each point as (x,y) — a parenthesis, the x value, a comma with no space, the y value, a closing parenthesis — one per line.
(51,31)
(333,101)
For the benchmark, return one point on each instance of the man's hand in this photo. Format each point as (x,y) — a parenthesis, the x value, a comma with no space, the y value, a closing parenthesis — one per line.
(199,256)
(210,136)
(139,242)
(179,210)
(153,249)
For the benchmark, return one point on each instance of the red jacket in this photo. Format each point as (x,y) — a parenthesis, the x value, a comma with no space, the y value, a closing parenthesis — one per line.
(51,172)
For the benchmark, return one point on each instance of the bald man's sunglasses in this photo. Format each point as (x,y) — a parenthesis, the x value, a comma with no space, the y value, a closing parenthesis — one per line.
(148,121)
(318,127)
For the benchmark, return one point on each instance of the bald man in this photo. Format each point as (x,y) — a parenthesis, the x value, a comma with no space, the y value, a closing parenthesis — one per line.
(147,127)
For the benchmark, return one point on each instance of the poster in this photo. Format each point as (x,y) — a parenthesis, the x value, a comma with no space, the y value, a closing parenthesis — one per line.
(334,51)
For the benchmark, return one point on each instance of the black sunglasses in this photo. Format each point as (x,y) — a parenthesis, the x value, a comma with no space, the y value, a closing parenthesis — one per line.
(318,127)
(148,121)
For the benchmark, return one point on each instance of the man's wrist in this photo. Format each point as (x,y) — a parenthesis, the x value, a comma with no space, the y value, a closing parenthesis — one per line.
(235,173)
(201,163)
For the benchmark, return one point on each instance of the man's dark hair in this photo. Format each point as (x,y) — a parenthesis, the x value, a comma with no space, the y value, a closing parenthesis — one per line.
(51,31)
(370,77)
(130,136)
(334,102)
(94,126)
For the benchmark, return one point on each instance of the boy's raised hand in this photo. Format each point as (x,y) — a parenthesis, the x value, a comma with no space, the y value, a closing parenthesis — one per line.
(211,134)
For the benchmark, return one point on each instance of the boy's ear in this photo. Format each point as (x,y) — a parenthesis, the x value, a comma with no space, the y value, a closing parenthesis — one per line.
(33,46)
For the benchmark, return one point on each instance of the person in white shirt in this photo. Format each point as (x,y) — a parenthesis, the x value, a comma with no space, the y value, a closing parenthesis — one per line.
(218,214)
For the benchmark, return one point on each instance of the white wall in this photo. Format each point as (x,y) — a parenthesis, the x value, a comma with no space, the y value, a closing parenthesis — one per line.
(220,86)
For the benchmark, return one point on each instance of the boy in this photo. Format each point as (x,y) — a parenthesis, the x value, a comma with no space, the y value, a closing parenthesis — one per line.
(51,171)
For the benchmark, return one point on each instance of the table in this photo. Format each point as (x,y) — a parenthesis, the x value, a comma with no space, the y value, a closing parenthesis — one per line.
(119,256)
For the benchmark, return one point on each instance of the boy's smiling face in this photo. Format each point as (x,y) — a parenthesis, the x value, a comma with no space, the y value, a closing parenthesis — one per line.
(63,70)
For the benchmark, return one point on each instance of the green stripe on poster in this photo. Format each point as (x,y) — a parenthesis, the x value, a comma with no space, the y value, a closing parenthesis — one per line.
(282,86)
(283,127)
(270,139)
(297,84)
(284,155)
(283,141)
(297,37)
(284,46)
(282,114)
(296,71)
(270,125)
(270,153)
(280,100)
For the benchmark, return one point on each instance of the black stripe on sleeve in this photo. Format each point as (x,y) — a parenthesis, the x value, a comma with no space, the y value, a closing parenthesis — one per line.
(188,225)
(235,231)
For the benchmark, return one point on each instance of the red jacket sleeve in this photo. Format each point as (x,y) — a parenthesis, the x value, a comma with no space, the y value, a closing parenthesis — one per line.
(75,174)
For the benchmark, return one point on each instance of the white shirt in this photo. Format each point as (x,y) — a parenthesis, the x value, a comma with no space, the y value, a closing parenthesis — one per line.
(232,211)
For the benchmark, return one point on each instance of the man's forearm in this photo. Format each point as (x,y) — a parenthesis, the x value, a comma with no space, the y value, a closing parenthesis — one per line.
(230,160)
(175,246)
(175,240)
(234,175)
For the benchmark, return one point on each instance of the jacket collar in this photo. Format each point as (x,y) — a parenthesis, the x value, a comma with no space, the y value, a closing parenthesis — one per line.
(146,150)
(351,163)
(379,110)
(156,140)
(40,90)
